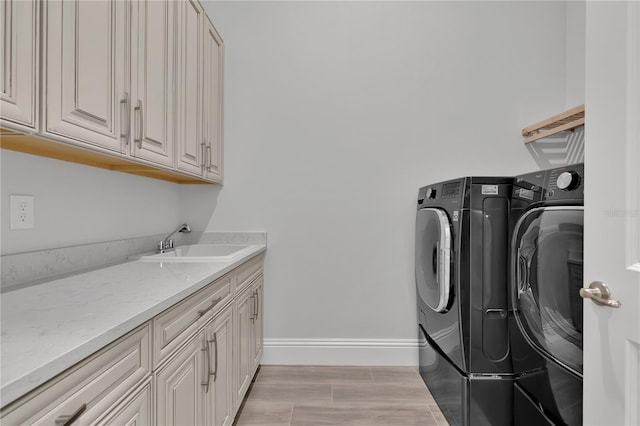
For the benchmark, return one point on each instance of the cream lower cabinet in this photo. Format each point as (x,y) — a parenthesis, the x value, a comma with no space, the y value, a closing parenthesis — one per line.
(194,387)
(249,333)
(243,318)
(257,343)
(190,365)
(219,398)
(179,386)
(90,391)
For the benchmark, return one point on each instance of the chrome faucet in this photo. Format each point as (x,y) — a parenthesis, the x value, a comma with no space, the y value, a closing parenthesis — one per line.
(167,243)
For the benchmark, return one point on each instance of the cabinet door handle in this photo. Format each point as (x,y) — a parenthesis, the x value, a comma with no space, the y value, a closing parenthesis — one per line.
(203,147)
(124,111)
(213,304)
(68,420)
(253,306)
(209,157)
(208,362)
(257,303)
(139,123)
(215,365)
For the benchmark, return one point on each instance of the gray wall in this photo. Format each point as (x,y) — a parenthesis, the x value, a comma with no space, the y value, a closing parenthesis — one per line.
(335,114)
(76,204)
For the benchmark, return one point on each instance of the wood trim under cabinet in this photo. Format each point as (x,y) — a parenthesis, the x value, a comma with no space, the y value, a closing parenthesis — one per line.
(30,144)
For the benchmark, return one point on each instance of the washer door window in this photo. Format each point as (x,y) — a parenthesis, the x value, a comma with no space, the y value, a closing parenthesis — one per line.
(433,256)
(548,245)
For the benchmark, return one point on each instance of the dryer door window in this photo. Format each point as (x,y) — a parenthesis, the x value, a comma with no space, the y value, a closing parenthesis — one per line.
(547,261)
(433,257)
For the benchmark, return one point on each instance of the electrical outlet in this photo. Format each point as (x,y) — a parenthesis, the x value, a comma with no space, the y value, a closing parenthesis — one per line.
(21,211)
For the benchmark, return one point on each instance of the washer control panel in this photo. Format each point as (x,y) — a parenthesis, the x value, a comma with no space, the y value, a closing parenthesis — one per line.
(444,194)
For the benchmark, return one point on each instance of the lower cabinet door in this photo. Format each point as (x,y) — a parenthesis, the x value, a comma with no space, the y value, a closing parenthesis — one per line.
(258,320)
(219,398)
(180,386)
(243,322)
(136,410)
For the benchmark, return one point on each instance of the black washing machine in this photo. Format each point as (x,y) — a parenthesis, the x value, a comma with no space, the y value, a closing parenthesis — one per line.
(462,257)
(547,220)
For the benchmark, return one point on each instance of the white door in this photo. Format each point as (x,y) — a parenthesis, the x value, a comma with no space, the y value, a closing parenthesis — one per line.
(612,213)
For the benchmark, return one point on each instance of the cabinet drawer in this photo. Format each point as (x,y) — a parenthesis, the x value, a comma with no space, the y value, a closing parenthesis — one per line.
(174,326)
(89,388)
(137,409)
(248,272)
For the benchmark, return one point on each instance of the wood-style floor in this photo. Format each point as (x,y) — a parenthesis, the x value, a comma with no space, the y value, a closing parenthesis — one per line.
(366,396)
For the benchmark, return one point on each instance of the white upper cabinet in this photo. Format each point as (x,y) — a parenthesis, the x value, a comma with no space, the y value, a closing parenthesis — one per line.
(85,51)
(191,146)
(212,102)
(152,80)
(137,81)
(19,51)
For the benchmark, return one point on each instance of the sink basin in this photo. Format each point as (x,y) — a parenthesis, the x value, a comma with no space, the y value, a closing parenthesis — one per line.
(197,253)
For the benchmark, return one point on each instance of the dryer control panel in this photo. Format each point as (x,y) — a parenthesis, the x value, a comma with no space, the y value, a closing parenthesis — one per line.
(565,183)
(559,184)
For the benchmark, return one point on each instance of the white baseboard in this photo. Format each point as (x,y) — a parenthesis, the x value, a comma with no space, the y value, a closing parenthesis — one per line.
(384,352)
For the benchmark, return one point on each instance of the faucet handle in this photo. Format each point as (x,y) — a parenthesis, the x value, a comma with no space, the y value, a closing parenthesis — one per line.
(160,246)
(170,244)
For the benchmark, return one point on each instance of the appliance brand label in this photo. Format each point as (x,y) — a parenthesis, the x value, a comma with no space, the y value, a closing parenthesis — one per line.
(489,189)
(527,194)
(456,214)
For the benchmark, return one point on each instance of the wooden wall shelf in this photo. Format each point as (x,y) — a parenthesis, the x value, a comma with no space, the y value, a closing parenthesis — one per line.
(567,120)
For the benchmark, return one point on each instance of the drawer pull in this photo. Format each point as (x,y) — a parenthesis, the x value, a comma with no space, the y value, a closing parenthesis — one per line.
(213,304)
(67,420)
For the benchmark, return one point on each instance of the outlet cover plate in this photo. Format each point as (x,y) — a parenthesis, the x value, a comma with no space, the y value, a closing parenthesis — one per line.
(21,211)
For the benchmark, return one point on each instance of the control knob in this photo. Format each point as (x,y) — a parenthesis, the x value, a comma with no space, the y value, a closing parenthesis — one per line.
(431,193)
(568,181)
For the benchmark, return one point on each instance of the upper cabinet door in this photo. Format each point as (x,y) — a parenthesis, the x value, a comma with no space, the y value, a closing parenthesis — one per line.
(86,87)
(19,51)
(191,146)
(152,70)
(212,102)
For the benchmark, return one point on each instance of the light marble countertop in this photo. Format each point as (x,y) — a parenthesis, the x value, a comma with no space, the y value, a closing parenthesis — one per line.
(48,328)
